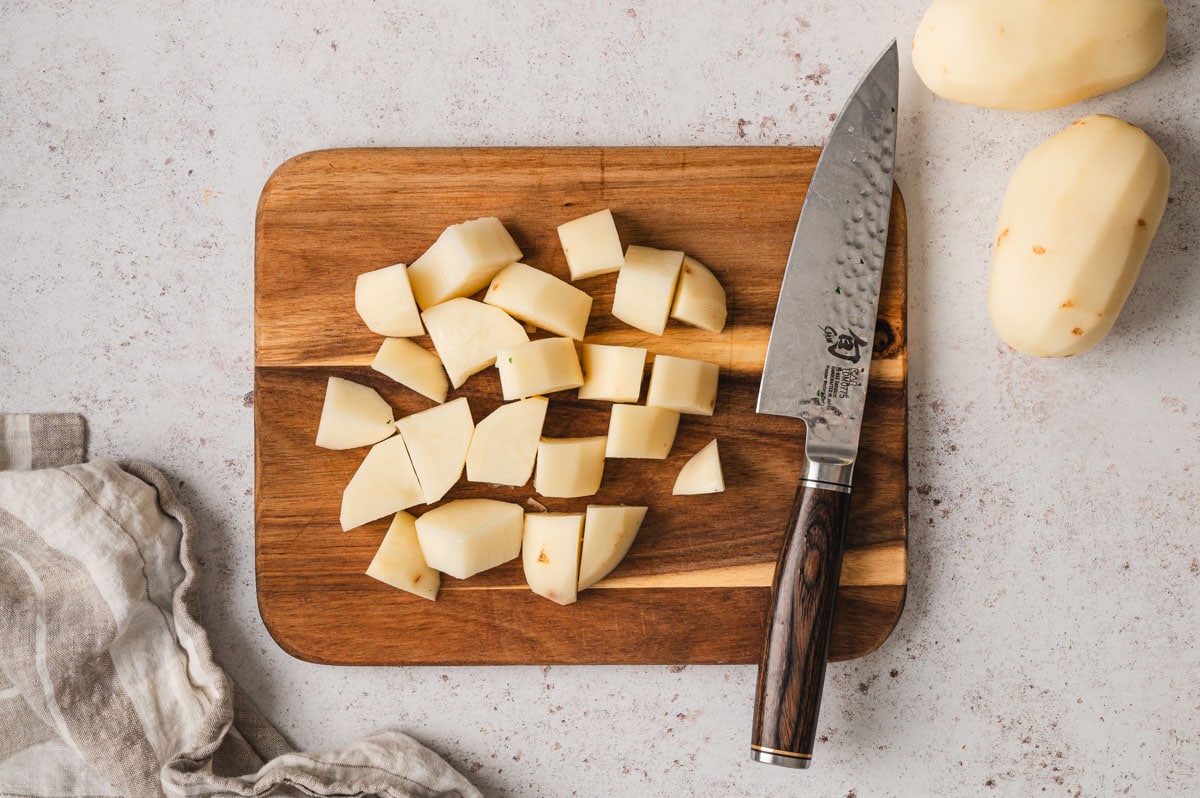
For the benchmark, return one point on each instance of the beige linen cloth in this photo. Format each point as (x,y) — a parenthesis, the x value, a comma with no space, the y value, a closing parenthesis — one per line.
(107,681)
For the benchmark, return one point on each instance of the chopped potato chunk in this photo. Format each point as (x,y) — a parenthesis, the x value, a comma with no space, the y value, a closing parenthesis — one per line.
(400,563)
(539,367)
(466,335)
(463,260)
(701,474)
(353,415)
(683,384)
(384,300)
(569,467)
(646,288)
(541,299)
(550,554)
(641,432)
(591,245)
(608,532)
(464,537)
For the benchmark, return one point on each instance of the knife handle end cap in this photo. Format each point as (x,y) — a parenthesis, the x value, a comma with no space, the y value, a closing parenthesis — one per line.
(782,760)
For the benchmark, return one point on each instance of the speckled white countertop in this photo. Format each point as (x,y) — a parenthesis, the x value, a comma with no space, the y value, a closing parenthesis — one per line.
(1050,641)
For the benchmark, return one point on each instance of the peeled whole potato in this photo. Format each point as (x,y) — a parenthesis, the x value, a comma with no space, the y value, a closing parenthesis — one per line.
(1030,55)
(1076,223)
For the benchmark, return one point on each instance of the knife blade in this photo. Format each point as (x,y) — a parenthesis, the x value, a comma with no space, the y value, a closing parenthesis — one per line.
(817,367)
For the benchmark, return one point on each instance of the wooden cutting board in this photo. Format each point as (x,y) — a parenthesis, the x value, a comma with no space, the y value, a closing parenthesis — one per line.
(695,587)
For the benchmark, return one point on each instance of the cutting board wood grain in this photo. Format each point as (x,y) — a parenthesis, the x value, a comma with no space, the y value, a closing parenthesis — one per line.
(695,587)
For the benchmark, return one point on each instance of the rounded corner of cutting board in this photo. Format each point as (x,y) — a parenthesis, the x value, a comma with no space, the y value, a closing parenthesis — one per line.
(279,632)
(282,171)
(884,626)
(274,631)
(286,170)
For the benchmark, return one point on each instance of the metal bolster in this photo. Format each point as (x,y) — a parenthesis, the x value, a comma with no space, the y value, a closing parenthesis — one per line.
(827,474)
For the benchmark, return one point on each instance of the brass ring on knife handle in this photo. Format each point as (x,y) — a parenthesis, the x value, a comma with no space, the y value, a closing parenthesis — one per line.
(767,750)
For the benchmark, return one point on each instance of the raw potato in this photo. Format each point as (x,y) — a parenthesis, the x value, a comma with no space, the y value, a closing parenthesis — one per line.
(462,261)
(682,384)
(1030,55)
(466,335)
(353,415)
(591,245)
(550,554)
(505,443)
(612,373)
(541,299)
(569,467)
(646,288)
(438,439)
(700,298)
(413,366)
(384,300)
(538,367)
(608,532)
(384,483)
(701,474)
(400,563)
(1076,223)
(642,432)
(464,537)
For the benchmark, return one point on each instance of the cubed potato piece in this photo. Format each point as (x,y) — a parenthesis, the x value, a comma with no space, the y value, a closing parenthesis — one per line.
(641,432)
(612,373)
(438,439)
(646,288)
(701,473)
(384,483)
(413,366)
(353,415)
(384,300)
(682,384)
(541,299)
(1075,226)
(505,443)
(466,536)
(550,554)
(466,335)
(591,245)
(608,532)
(538,367)
(700,298)
(569,467)
(462,261)
(400,563)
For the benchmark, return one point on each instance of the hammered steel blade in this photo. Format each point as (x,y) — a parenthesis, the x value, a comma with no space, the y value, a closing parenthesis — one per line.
(819,356)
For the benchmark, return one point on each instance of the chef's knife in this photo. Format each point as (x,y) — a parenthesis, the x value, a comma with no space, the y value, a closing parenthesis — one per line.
(817,365)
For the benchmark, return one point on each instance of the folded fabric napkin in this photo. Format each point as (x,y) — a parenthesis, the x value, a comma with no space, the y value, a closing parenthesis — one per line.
(107,682)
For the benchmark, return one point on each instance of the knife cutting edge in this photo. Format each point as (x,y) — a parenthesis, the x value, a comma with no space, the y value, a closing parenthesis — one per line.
(817,366)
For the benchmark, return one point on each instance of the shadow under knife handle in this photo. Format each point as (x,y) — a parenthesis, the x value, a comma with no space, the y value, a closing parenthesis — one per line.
(792,672)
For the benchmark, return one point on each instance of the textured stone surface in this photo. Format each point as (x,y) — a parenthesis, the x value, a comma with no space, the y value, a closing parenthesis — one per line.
(1050,637)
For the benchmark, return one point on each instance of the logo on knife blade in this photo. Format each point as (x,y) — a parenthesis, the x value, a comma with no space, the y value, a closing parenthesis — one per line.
(844,346)
(839,381)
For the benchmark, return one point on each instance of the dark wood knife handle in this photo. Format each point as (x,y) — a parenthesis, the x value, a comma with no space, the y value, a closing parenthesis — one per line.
(792,673)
